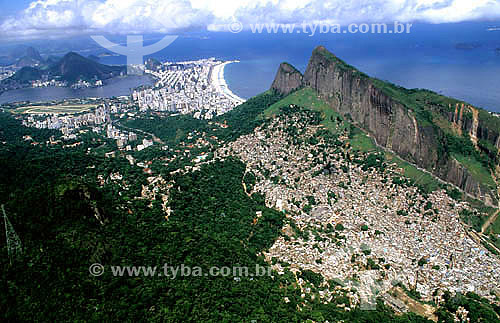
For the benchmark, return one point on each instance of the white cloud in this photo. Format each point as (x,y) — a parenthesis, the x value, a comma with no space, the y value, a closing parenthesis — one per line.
(62,17)
(66,17)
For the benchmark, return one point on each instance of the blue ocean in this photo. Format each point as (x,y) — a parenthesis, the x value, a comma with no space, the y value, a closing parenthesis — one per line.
(460,60)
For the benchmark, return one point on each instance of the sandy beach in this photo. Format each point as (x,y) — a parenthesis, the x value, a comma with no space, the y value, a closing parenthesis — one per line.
(220,84)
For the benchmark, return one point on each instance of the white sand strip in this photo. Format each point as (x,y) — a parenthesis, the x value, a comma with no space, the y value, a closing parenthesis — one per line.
(220,84)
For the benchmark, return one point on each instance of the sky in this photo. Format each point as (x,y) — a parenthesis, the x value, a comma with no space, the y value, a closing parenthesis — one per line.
(21,19)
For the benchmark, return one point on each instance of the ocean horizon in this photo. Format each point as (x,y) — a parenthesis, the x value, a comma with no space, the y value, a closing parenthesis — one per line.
(459,60)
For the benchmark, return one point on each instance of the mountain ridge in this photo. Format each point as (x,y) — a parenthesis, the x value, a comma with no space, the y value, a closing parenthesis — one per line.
(420,126)
(71,68)
(31,58)
(74,66)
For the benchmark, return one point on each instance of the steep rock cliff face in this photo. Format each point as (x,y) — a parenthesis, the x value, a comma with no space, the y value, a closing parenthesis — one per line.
(392,124)
(457,174)
(468,120)
(287,80)
(487,133)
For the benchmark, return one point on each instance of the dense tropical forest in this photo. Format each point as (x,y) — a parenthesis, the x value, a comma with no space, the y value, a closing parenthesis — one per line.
(67,219)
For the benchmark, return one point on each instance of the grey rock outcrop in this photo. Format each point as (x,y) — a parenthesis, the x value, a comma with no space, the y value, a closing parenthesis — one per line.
(392,124)
(287,80)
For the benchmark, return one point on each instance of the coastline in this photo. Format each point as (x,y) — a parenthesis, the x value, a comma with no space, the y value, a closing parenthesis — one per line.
(219,82)
(117,86)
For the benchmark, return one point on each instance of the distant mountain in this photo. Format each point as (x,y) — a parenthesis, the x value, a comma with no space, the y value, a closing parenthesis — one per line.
(94,58)
(73,67)
(17,52)
(32,53)
(21,56)
(21,79)
(27,74)
(52,59)
(27,61)
(31,57)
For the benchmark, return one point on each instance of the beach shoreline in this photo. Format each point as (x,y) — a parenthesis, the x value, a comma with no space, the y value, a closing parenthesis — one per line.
(220,83)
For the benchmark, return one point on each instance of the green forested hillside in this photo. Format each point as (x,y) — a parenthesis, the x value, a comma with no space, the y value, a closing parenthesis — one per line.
(67,219)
